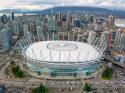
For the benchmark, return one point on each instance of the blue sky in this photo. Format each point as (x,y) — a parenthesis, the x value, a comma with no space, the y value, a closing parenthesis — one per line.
(44,4)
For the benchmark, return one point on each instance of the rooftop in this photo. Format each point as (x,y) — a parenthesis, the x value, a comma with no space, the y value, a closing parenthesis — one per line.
(56,52)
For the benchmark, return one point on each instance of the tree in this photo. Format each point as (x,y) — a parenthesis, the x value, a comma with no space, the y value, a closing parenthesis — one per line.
(38,72)
(88,73)
(12,62)
(107,73)
(40,89)
(17,72)
(75,74)
(87,87)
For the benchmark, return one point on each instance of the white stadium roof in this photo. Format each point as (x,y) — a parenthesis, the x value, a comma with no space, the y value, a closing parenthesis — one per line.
(56,52)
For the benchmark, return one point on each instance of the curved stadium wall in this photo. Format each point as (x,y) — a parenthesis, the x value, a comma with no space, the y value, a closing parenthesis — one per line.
(61,62)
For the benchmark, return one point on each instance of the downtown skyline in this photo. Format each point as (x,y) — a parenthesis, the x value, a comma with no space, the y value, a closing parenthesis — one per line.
(45,4)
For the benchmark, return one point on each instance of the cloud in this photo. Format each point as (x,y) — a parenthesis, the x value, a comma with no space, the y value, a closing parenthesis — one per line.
(44,4)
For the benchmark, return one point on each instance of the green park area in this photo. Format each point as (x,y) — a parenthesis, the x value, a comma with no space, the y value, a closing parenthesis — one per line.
(15,71)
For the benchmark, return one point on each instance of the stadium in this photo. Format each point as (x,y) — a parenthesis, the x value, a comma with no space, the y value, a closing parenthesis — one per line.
(62,57)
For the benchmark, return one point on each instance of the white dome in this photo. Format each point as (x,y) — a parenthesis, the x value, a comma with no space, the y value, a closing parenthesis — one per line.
(61,52)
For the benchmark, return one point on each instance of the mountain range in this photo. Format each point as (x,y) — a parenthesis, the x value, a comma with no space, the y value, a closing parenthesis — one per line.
(72,9)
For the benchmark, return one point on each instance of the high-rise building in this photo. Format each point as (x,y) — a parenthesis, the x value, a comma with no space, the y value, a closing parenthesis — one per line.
(58,16)
(15,28)
(38,21)
(92,18)
(5,38)
(120,40)
(51,22)
(91,37)
(4,19)
(32,27)
(25,29)
(117,38)
(105,39)
(12,15)
(77,23)
(40,33)
(45,29)
(29,35)
(110,21)
(98,26)
(1,25)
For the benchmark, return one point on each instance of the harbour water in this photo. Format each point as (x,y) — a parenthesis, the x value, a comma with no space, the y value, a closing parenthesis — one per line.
(16,14)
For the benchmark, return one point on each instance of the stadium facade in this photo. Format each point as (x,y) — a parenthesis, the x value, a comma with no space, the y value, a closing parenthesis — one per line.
(62,57)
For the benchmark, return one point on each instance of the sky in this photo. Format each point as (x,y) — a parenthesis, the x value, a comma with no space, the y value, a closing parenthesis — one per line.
(44,4)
